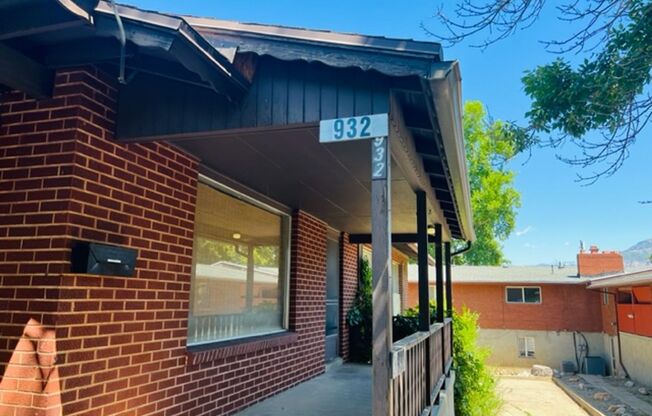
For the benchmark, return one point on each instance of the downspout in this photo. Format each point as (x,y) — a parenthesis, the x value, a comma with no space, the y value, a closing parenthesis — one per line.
(123,42)
(620,349)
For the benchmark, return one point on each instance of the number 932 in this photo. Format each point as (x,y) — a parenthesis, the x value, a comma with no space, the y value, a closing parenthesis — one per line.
(351,128)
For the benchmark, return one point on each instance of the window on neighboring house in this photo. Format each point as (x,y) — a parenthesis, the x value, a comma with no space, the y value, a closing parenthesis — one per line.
(526,347)
(524,294)
(240,268)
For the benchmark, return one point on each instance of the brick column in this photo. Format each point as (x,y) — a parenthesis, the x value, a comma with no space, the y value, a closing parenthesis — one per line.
(348,287)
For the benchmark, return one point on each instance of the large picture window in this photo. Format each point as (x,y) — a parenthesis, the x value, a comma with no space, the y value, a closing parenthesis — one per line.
(240,270)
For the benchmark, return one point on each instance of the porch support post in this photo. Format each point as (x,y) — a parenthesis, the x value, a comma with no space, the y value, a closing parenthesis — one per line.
(439,273)
(424,302)
(422,234)
(381,269)
(449,280)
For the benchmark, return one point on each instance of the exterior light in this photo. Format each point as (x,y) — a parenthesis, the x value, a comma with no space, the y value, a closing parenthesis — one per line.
(236,236)
(431,230)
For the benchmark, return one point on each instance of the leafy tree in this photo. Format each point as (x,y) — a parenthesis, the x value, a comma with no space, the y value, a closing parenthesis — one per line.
(494,200)
(607,93)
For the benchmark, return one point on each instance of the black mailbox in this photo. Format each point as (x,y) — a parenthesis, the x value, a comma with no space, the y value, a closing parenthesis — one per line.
(103,259)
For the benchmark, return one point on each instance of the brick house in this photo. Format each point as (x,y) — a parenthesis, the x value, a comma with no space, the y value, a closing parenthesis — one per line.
(192,145)
(627,310)
(540,314)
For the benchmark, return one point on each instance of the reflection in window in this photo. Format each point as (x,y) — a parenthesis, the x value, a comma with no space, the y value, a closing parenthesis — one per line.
(239,271)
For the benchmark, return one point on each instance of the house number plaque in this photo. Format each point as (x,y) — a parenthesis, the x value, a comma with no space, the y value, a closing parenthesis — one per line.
(374,127)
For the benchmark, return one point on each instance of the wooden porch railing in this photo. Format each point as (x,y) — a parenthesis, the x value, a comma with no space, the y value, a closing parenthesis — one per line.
(427,361)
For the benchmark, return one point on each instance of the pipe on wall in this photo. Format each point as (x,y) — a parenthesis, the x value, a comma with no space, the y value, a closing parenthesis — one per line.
(620,349)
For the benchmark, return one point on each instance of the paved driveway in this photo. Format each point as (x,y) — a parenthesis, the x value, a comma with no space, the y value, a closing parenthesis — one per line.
(535,397)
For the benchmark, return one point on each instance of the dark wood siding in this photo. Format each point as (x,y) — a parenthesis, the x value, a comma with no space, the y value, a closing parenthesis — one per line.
(282,93)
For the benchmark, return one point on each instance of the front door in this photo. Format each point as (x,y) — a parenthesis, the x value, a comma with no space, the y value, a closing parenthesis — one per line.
(332,299)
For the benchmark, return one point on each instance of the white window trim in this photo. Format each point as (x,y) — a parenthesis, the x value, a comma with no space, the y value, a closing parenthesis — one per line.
(288,247)
(523,295)
(525,344)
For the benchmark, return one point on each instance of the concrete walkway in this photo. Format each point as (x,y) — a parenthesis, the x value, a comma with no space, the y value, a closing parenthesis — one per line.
(533,396)
(344,390)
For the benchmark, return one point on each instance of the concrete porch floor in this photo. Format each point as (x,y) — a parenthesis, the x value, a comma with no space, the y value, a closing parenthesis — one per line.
(344,390)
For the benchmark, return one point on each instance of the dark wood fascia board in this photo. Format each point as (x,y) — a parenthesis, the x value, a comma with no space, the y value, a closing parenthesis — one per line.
(400,238)
(22,73)
(30,19)
(176,38)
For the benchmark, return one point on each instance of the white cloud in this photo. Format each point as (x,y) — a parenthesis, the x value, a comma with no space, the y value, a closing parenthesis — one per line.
(567,243)
(524,231)
(528,245)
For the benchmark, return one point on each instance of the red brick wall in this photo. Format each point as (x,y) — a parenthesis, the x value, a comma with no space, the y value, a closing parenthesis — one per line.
(122,341)
(563,307)
(599,263)
(412,294)
(348,287)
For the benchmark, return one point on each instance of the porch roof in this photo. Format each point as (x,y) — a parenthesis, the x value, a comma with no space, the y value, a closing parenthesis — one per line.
(193,82)
(427,88)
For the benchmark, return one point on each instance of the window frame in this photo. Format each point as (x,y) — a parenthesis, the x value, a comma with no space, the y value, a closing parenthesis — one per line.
(523,302)
(286,221)
(525,345)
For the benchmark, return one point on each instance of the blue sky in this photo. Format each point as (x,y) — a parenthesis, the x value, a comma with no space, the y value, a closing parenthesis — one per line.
(557,212)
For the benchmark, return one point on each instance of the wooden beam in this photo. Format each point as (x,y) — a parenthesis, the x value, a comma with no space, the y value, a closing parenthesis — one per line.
(410,163)
(22,73)
(424,281)
(439,273)
(381,230)
(396,238)
(449,280)
(34,20)
(422,234)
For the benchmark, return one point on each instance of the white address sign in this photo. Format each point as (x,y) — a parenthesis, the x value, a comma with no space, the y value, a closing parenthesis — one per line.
(353,128)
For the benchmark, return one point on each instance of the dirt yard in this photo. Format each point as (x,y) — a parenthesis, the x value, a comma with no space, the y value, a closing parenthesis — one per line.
(535,396)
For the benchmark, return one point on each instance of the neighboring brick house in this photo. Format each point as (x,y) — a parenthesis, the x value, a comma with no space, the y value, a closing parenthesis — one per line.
(540,314)
(193,148)
(627,304)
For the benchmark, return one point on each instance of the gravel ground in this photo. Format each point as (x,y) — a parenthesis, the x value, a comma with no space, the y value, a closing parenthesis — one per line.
(619,382)
(587,392)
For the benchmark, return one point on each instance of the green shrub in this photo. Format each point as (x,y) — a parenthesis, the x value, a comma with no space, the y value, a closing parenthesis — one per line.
(360,318)
(407,323)
(475,386)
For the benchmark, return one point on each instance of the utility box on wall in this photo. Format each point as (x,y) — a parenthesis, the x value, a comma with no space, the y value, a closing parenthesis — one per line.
(103,259)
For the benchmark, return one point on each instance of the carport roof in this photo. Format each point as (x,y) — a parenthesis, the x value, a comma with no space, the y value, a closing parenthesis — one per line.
(635,278)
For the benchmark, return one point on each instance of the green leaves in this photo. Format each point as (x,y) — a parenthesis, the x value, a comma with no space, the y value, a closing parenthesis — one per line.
(475,393)
(606,93)
(494,200)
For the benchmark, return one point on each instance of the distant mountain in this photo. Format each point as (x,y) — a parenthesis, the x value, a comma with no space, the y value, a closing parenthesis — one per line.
(638,254)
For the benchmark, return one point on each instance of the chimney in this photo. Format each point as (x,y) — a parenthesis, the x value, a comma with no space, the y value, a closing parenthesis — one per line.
(598,263)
